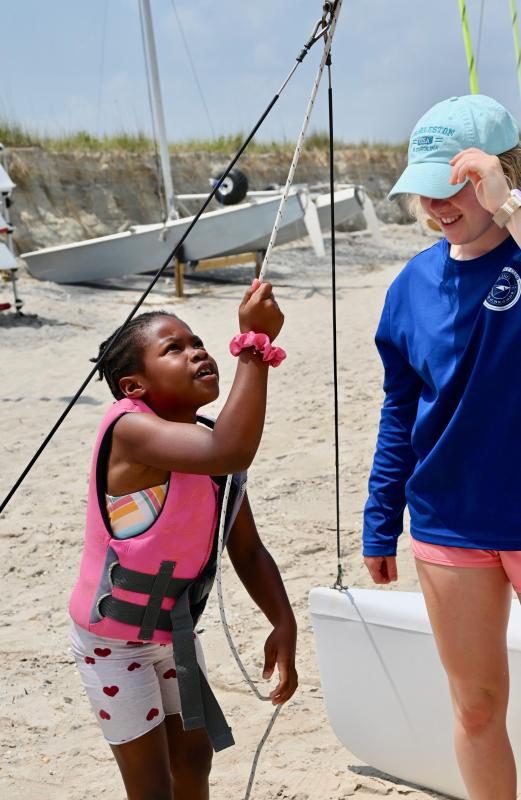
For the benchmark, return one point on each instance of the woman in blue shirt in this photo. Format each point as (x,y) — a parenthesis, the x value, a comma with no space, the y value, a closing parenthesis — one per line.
(449,443)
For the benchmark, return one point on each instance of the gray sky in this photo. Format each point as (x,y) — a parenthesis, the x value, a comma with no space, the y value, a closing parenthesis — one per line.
(69,65)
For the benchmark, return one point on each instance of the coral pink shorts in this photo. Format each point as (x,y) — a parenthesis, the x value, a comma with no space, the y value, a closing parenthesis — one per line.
(509,560)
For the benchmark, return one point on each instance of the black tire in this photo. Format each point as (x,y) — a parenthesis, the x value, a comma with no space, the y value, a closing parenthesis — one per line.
(233,188)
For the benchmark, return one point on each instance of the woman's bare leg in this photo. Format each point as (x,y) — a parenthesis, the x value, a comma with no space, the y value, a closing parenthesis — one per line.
(468,609)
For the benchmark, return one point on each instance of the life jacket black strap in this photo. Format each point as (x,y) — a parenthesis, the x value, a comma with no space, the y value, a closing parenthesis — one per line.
(199,707)
(153,607)
(143,582)
(219,732)
(131,613)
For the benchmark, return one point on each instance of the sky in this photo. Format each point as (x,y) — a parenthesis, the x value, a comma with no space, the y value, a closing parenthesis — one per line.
(67,65)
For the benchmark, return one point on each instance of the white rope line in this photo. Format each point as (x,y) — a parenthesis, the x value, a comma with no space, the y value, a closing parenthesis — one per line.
(256,757)
(249,681)
(218,581)
(300,140)
(222,522)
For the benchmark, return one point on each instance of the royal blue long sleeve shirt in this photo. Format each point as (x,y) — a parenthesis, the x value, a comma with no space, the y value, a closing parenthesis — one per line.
(449,442)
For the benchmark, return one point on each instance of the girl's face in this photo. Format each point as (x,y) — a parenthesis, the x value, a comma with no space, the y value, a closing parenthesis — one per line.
(465,222)
(178,375)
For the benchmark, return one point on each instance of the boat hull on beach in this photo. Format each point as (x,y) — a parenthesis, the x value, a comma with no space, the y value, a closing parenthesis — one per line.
(385,690)
(146,247)
(348,202)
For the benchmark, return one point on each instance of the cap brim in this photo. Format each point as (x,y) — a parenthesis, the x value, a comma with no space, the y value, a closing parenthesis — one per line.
(428,180)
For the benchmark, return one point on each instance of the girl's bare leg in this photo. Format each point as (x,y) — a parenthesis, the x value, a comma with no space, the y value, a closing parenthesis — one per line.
(190,760)
(145,766)
(468,609)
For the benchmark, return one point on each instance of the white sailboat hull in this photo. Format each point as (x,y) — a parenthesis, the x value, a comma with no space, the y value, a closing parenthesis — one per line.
(146,247)
(385,691)
(346,206)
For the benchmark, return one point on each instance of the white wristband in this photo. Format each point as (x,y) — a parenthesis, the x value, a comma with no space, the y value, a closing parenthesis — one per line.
(509,207)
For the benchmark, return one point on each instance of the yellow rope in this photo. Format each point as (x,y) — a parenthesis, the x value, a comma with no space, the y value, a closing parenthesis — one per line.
(515,31)
(473,75)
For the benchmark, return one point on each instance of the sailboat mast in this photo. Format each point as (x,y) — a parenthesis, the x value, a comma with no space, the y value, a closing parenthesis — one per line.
(157,102)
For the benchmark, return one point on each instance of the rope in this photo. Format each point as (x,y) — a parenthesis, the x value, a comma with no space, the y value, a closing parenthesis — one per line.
(175,252)
(473,76)
(231,644)
(326,59)
(192,65)
(328,31)
(515,31)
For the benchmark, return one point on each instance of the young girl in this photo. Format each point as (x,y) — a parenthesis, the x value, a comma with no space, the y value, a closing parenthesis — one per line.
(151,544)
(450,438)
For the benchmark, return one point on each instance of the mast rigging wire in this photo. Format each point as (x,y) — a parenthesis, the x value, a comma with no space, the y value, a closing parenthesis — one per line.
(332,7)
(480,31)
(340,572)
(102,66)
(159,175)
(194,71)
(220,544)
(327,29)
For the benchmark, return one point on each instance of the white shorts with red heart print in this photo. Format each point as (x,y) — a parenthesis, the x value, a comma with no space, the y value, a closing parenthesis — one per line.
(131,686)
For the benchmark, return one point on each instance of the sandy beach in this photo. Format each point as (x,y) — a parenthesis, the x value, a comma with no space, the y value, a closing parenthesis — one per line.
(51,745)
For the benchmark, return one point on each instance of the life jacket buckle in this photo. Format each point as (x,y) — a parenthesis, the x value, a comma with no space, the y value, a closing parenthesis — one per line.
(102,597)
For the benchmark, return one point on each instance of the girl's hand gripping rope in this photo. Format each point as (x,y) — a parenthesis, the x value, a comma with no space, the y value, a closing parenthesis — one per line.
(259,311)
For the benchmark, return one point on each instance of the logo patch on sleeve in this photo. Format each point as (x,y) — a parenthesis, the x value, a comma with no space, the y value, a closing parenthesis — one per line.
(505,292)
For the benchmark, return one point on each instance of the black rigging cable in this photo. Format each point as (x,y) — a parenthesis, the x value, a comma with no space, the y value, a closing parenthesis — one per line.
(194,71)
(340,571)
(319,31)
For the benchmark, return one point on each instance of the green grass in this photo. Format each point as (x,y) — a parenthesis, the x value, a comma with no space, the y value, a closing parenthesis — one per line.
(12,134)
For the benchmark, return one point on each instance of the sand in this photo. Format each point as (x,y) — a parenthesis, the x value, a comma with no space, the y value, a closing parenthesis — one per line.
(51,745)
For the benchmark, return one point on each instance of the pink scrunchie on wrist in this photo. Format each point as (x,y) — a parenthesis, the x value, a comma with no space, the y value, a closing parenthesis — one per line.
(261,344)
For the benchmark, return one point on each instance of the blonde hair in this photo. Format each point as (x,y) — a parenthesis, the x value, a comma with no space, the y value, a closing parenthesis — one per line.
(510,162)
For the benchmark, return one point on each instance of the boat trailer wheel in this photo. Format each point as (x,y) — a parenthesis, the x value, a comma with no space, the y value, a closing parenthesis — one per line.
(233,188)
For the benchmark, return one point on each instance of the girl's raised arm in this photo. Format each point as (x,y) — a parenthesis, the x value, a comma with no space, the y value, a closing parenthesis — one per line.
(231,445)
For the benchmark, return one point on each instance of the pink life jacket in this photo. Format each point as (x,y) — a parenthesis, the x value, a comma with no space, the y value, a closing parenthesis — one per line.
(153,586)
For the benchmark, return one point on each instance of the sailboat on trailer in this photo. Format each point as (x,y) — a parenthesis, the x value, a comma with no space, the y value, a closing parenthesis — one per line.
(241,228)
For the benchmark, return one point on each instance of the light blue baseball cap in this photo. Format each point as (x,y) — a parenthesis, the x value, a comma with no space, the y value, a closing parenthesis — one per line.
(473,120)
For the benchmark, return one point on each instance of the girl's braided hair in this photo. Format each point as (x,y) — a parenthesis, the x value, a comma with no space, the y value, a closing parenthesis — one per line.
(125,355)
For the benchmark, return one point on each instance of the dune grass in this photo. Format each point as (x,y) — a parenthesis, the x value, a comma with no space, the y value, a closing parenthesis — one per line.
(13,134)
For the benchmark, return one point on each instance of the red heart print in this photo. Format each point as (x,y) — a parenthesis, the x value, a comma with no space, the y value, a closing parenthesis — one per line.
(170,673)
(133,666)
(104,714)
(111,691)
(102,652)
(154,712)
(89,660)
(194,636)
